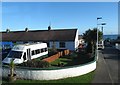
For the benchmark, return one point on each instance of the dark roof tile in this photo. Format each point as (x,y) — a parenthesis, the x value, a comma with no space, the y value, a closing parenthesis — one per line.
(40,35)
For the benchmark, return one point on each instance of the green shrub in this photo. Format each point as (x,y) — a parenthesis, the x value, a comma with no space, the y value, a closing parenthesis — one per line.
(89,48)
(44,64)
(36,64)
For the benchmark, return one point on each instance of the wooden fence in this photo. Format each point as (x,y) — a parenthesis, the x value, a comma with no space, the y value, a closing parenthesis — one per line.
(56,56)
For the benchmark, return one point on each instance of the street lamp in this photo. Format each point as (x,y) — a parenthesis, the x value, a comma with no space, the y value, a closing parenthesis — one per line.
(103,23)
(98,18)
(97,32)
(102,28)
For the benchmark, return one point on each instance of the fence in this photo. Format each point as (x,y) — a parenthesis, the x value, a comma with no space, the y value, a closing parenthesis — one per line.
(56,56)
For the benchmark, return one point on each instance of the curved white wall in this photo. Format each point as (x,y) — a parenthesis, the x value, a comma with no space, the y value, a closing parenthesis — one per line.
(52,74)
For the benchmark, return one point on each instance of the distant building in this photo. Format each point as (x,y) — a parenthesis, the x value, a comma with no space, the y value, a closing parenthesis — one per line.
(81,40)
(61,38)
(117,43)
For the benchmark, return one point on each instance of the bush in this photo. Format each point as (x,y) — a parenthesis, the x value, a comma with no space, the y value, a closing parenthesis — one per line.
(44,64)
(36,64)
(89,48)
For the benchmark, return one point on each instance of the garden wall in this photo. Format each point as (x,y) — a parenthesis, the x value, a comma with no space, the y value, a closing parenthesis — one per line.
(52,74)
(56,56)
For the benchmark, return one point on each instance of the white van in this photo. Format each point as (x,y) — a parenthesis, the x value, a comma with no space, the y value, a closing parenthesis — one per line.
(101,44)
(23,52)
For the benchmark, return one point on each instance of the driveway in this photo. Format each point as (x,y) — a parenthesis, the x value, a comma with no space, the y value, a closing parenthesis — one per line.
(107,66)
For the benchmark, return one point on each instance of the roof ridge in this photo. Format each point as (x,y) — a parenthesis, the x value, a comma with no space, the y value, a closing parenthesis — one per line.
(39,30)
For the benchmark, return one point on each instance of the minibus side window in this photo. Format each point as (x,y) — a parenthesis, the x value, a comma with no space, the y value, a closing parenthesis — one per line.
(45,49)
(24,56)
(42,50)
(33,52)
(37,51)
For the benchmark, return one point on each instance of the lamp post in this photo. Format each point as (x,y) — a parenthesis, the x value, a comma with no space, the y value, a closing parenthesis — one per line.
(98,33)
(97,30)
(98,18)
(102,28)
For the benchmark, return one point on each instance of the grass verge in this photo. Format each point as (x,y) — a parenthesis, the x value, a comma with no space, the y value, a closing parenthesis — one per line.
(87,78)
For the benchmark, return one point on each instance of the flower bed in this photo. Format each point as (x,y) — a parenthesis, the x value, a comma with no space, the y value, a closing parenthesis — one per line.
(35,64)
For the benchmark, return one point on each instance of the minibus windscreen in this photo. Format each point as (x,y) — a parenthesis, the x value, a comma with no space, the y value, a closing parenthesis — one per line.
(15,54)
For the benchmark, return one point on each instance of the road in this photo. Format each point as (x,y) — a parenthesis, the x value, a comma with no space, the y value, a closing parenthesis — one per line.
(107,66)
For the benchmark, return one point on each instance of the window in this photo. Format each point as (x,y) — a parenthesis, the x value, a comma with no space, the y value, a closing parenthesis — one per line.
(25,42)
(62,44)
(42,50)
(37,51)
(24,56)
(33,52)
(15,54)
(45,49)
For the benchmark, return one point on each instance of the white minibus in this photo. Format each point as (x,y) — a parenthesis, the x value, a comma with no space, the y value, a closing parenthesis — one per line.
(24,52)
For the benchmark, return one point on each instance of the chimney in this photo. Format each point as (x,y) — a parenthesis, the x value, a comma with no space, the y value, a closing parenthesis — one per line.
(49,28)
(7,30)
(26,29)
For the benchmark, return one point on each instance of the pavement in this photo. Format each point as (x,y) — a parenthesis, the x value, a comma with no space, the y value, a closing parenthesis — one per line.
(107,66)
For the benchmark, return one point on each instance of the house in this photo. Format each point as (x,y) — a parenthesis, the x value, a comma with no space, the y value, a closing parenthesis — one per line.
(61,38)
(6,45)
(81,40)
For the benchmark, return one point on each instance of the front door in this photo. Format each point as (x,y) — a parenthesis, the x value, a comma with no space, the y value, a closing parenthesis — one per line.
(28,54)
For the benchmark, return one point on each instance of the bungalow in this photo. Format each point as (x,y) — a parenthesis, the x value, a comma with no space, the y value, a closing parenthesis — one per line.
(61,38)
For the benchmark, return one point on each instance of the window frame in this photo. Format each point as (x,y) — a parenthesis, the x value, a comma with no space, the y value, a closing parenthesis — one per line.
(62,44)
(24,55)
(32,52)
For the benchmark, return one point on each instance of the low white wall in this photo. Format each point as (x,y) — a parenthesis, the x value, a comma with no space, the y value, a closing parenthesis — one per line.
(52,74)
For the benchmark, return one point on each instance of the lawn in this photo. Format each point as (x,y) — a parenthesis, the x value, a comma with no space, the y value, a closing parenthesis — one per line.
(61,60)
(72,59)
(87,78)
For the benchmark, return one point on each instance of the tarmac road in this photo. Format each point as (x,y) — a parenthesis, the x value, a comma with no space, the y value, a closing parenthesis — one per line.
(112,59)
(107,66)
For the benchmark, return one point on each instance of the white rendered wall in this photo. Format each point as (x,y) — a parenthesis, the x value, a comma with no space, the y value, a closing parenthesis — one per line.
(76,40)
(68,45)
(56,44)
(52,74)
